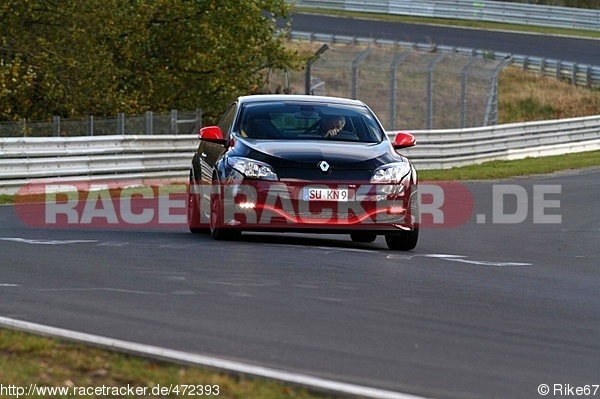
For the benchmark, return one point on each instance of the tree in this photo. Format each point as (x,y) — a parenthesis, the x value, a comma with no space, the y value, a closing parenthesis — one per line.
(77,57)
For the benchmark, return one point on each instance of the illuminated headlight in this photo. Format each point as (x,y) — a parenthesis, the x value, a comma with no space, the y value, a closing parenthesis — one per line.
(391,173)
(252,169)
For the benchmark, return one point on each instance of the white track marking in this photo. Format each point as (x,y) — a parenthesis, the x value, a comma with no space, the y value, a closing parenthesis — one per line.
(459,258)
(201,360)
(488,263)
(119,290)
(410,256)
(45,242)
(442,256)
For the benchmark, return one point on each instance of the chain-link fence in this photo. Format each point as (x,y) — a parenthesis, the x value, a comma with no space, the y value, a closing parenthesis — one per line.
(407,88)
(173,123)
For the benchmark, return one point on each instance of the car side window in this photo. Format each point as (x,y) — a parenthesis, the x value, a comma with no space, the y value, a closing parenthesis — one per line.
(226,121)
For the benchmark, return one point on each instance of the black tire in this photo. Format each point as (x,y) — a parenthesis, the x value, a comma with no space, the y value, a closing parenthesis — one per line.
(217,230)
(363,237)
(405,241)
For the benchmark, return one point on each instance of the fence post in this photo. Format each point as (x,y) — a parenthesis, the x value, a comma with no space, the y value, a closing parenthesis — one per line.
(90,125)
(307,75)
(355,64)
(121,123)
(23,126)
(56,125)
(397,61)
(430,69)
(149,123)
(173,122)
(491,109)
(463,91)
(543,67)
(525,63)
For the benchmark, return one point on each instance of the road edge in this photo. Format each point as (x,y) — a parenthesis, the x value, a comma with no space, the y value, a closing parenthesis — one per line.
(228,366)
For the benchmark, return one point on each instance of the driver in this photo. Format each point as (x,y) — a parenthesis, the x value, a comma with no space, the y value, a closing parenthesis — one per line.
(331,125)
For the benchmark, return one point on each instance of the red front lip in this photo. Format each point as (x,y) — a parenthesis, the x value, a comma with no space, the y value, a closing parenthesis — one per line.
(335,219)
(259,204)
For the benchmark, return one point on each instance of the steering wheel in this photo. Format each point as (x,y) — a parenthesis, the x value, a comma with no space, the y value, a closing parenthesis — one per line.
(346,135)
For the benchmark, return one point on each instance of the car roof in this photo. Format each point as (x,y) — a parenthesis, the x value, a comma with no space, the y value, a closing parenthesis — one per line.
(298,97)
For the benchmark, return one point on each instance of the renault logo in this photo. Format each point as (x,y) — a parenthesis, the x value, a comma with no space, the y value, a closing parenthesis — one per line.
(324,166)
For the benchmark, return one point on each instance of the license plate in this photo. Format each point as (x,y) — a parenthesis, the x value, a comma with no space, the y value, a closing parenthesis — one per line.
(326,194)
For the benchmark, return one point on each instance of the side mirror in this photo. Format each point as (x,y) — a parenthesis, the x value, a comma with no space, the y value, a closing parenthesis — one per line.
(212,134)
(404,140)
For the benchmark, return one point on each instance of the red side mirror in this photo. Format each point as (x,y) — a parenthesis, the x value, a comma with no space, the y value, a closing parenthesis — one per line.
(404,140)
(212,134)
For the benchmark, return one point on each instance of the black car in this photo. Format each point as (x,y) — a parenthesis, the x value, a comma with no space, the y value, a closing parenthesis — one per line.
(303,163)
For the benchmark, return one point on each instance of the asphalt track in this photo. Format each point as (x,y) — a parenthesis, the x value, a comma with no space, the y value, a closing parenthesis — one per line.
(568,49)
(478,310)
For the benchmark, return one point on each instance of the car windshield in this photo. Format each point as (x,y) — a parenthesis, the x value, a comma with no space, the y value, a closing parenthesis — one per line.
(285,120)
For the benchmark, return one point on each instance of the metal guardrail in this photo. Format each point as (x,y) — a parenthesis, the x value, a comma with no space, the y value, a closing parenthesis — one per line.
(102,158)
(113,158)
(444,149)
(476,10)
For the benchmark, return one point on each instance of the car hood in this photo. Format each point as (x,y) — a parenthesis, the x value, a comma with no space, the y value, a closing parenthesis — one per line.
(299,154)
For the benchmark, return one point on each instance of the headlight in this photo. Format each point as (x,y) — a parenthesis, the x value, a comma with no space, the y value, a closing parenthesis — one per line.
(252,169)
(391,173)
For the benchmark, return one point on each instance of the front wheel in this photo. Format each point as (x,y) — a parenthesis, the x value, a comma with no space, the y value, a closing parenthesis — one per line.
(405,241)
(217,229)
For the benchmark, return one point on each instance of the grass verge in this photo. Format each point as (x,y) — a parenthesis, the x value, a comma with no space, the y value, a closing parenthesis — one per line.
(26,359)
(522,167)
(6,199)
(527,97)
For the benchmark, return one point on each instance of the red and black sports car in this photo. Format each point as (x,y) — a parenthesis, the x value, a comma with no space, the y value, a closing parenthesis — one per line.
(303,163)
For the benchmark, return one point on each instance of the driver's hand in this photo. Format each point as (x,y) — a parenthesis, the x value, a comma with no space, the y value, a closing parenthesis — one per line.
(332,132)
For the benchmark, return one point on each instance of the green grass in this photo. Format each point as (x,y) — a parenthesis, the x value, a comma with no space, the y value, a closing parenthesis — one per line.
(528,109)
(6,199)
(27,359)
(523,167)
